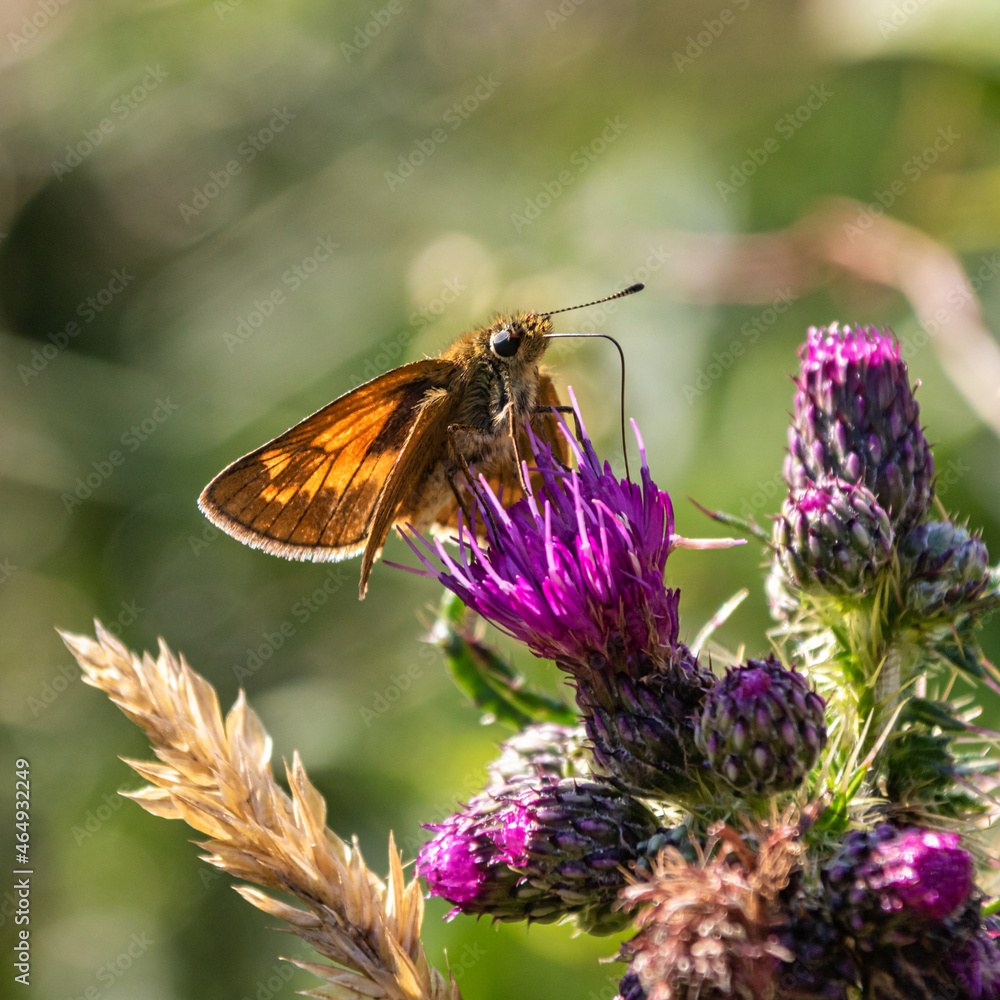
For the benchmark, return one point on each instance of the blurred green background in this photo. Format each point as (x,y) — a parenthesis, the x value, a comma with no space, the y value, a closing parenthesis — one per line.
(218,216)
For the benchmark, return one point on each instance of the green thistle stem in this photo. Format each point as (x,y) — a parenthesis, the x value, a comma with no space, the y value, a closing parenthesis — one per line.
(887,686)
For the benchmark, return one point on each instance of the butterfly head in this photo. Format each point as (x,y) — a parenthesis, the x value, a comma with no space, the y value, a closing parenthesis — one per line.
(519,336)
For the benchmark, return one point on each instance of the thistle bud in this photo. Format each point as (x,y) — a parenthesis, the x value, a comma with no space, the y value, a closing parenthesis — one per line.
(944,568)
(543,852)
(887,880)
(762,728)
(975,964)
(833,536)
(641,723)
(821,963)
(545,749)
(856,419)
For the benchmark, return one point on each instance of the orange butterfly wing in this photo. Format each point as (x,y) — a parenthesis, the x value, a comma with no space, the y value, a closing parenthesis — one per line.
(314,492)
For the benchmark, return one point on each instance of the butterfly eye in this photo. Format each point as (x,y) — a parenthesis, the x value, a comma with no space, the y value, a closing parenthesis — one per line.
(505,342)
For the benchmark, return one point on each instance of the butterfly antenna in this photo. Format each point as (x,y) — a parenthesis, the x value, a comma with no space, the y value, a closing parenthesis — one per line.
(631,290)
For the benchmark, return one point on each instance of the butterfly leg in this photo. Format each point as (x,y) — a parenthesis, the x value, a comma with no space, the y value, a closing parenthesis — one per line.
(512,431)
(562,408)
(458,461)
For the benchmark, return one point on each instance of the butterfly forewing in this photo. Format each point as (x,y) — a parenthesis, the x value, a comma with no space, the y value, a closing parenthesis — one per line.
(312,493)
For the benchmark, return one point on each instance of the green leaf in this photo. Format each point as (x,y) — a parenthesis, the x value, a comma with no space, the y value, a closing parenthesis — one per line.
(487,679)
(833,820)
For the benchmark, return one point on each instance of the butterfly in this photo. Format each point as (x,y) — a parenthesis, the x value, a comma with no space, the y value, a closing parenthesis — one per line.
(398,449)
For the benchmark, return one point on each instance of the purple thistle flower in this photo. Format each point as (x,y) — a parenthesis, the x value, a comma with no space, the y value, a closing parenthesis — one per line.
(884,882)
(832,536)
(921,871)
(856,418)
(577,568)
(538,850)
(468,860)
(575,571)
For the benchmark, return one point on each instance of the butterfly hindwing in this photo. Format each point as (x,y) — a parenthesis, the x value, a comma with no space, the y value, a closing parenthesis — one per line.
(402,496)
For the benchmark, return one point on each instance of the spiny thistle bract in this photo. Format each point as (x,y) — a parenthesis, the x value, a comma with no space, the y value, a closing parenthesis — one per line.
(762,728)
(833,536)
(807,825)
(856,418)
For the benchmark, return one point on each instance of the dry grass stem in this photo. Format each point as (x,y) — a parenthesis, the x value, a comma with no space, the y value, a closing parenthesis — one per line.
(216,775)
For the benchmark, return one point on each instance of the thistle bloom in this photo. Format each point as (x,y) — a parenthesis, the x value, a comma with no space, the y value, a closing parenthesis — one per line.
(921,871)
(856,418)
(575,569)
(541,850)
(886,879)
